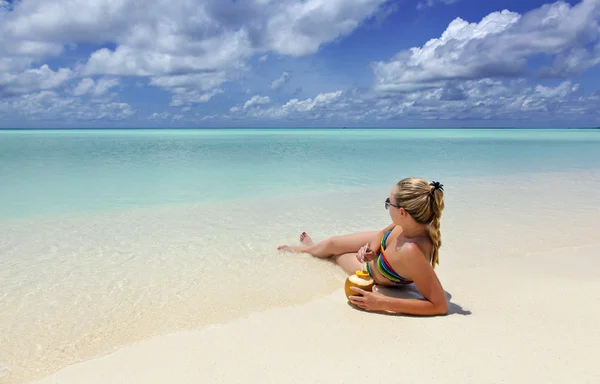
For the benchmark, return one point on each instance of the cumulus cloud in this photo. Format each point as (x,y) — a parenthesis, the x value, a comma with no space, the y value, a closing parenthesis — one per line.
(484,99)
(281,80)
(257,100)
(299,28)
(188,48)
(192,50)
(206,55)
(89,86)
(42,78)
(574,61)
(49,105)
(201,81)
(20,69)
(489,99)
(311,108)
(191,88)
(500,45)
(184,96)
(160,116)
(163,38)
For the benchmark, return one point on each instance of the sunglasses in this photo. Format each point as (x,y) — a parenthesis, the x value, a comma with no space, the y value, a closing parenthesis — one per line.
(388,203)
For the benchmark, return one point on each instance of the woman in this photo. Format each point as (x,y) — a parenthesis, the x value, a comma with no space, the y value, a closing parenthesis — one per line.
(405,252)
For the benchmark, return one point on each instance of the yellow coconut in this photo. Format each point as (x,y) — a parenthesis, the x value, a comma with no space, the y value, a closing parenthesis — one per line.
(360,279)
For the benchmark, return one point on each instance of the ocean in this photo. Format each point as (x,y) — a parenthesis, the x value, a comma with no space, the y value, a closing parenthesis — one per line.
(56,172)
(108,237)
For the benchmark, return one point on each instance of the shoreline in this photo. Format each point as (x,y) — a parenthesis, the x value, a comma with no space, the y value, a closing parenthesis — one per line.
(524,327)
(591,175)
(154,258)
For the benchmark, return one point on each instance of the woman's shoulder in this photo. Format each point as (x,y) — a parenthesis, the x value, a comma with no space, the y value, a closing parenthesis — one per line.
(407,259)
(415,248)
(410,248)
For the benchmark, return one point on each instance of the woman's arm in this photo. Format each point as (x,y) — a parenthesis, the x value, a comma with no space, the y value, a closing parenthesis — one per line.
(422,274)
(427,283)
(373,247)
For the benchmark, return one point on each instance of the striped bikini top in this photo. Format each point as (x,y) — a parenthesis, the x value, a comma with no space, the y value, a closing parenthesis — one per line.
(384,266)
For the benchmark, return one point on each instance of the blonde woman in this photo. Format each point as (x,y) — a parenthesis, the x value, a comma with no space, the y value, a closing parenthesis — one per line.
(405,252)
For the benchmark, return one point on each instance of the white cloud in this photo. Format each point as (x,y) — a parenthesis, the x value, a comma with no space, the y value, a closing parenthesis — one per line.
(94,22)
(162,37)
(202,81)
(49,105)
(191,88)
(561,91)
(173,42)
(489,99)
(30,48)
(160,116)
(85,86)
(193,49)
(256,100)
(183,96)
(20,71)
(42,78)
(281,80)
(88,86)
(299,28)
(467,100)
(573,62)
(295,108)
(322,99)
(498,46)
(206,55)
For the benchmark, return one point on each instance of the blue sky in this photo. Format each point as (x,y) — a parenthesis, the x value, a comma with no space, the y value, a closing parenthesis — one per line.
(299,63)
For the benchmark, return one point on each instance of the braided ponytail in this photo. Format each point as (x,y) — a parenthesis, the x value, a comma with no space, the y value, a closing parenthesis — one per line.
(437,206)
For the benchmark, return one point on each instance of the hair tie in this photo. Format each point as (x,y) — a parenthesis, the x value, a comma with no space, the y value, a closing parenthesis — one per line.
(436,185)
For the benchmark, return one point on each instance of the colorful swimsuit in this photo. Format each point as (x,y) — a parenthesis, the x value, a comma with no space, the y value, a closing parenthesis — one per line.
(384,266)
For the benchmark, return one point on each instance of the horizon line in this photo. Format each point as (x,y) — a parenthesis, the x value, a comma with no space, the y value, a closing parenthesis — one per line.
(293,128)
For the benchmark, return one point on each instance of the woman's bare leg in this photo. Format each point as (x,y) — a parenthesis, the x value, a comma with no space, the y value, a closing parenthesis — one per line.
(336,245)
(348,262)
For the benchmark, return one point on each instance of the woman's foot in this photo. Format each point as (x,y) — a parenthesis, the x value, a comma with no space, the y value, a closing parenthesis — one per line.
(305,239)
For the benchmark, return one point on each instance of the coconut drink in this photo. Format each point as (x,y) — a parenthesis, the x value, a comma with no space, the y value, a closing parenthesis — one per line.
(360,279)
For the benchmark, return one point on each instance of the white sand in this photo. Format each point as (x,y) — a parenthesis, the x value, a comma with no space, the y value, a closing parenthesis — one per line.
(514,322)
(519,254)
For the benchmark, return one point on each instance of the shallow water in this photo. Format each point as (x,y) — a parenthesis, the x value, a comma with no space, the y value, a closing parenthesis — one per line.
(53,172)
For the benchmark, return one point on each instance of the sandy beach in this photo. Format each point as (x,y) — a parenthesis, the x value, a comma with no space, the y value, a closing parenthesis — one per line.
(509,322)
(523,289)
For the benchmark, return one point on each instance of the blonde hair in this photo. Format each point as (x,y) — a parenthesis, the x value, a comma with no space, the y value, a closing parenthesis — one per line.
(424,201)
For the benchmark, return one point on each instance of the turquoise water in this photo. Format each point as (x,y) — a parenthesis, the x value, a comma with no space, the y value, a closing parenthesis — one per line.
(62,171)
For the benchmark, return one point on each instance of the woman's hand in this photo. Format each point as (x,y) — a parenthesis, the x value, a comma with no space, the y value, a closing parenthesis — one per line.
(369,301)
(366,254)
